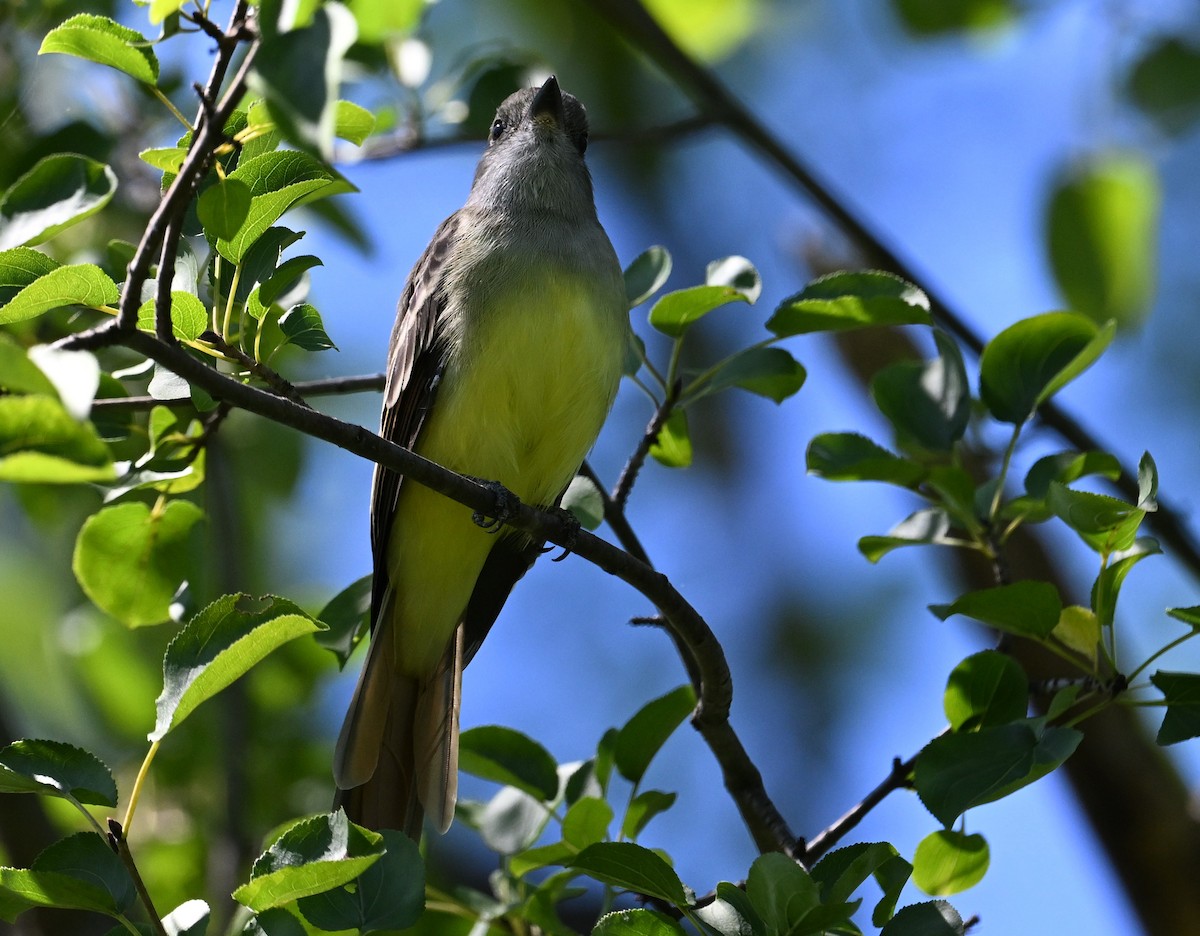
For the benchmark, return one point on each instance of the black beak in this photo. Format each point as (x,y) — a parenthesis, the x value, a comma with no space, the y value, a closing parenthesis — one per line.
(548,100)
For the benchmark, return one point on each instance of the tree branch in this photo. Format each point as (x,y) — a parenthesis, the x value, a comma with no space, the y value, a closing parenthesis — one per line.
(325,386)
(711,97)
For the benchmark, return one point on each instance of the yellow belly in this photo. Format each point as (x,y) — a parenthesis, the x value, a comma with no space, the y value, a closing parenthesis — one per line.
(521,403)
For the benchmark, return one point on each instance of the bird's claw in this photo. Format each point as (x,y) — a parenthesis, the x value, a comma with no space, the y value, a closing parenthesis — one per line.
(507,504)
(572,533)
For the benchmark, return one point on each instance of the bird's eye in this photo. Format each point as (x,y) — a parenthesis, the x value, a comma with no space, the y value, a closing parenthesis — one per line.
(498,128)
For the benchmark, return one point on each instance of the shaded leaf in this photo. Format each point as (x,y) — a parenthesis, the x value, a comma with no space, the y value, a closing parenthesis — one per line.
(1029,608)
(19,267)
(224,207)
(1107,587)
(634,868)
(769,372)
(347,618)
(1033,359)
(1106,524)
(956,772)
(644,807)
(646,274)
(79,872)
(987,688)
(648,730)
(933,918)
(1165,83)
(781,892)
(59,191)
(1066,467)
(848,456)
(312,856)
(928,403)
(841,872)
(585,502)
(507,756)
(928,527)
(586,822)
(1181,691)
(636,922)
(302,327)
(389,895)
(54,768)
(843,301)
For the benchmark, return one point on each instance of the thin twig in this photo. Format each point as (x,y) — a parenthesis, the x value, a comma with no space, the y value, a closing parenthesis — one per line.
(823,841)
(268,375)
(711,97)
(629,473)
(116,840)
(326,386)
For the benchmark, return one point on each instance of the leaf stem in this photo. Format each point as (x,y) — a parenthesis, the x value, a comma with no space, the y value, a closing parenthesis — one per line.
(1160,652)
(166,101)
(1003,476)
(136,792)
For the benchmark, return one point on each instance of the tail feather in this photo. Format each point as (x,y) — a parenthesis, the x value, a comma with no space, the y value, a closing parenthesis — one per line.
(397,755)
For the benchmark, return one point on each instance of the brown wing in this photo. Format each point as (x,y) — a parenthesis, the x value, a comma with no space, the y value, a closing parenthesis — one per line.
(415,361)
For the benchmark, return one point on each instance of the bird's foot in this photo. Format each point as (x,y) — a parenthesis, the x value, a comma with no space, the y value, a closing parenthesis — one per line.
(506,507)
(572,532)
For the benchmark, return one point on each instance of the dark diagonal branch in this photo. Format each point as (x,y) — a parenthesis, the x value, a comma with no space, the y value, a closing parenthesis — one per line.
(632,21)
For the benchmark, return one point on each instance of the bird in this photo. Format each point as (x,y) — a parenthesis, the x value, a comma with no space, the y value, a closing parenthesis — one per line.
(503,364)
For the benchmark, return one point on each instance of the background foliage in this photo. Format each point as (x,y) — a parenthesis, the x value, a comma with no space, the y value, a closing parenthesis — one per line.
(1027,156)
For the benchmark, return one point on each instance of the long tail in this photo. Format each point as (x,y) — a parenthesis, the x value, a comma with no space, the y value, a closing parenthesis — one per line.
(397,755)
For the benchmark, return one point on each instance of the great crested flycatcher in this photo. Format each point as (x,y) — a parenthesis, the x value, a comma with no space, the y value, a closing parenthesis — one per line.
(503,363)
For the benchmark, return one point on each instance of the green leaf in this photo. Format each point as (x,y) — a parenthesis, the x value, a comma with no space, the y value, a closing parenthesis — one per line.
(673,447)
(278,181)
(1107,587)
(347,619)
(389,895)
(1164,83)
(636,922)
(644,807)
(285,275)
(1147,483)
(79,872)
(843,301)
(848,456)
(510,822)
(585,501)
(298,72)
(948,862)
(647,731)
(634,868)
(302,327)
(218,645)
(933,918)
(54,768)
(748,921)
(40,468)
(18,268)
(161,9)
(1028,609)
(987,688)
(312,856)
(1102,233)
(131,561)
(956,772)
(353,122)
(224,207)
(928,404)
(928,527)
(781,892)
(1181,691)
(937,17)
(843,871)
(737,272)
(769,372)
(190,918)
(274,922)
(677,311)
(100,39)
(1106,524)
(531,859)
(1066,467)
(379,20)
(166,158)
(83,284)
(40,425)
(59,191)
(189,318)
(646,275)
(708,30)
(1078,629)
(1031,360)
(586,823)
(1189,616)
(507,756)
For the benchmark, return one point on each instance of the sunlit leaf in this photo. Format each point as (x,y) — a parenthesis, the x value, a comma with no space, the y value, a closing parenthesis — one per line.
(947,862)
(82,284)
(100,39)
(673,447)
(843,301)
(59,191)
